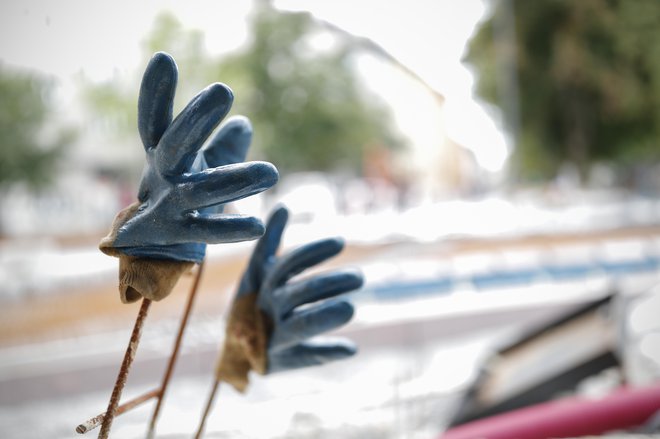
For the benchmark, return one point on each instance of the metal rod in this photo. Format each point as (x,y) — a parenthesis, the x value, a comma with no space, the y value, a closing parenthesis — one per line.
(129,356)
(207,409)
(94,422)
(175,350)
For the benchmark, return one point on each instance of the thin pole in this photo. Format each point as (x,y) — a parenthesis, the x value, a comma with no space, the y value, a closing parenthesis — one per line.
(175,351)
(129,356)
(207,409)
(94,422)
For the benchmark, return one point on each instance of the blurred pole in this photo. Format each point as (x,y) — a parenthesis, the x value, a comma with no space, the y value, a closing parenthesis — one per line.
(207,408)
(506,62)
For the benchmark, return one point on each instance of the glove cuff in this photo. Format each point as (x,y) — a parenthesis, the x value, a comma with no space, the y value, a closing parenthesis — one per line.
(245,343)
(149,278)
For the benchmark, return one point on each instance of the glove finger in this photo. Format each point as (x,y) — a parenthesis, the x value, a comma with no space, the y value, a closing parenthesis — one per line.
(230,144)
(300,259)
(323,286)
(156,98)
(219,228)
(178,147)
(226,183)
(270,242)
(264,251)
(307,354)
(310,322)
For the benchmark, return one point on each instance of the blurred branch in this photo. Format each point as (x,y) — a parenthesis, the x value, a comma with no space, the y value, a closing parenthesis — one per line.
(370,46)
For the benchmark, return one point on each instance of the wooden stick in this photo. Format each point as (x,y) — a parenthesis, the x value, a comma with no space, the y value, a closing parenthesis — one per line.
(129,356)
(94,422)
(175,351)
(207,409)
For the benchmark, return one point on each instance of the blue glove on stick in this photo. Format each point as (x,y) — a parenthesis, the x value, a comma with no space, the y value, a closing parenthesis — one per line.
(184,185)
(267,331)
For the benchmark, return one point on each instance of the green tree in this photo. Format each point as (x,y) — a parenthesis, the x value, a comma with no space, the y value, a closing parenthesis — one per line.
(307,107)
(588,81)
(29,148)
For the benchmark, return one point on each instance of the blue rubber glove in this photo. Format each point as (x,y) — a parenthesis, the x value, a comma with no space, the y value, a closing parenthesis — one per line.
(183,186)
(267,331)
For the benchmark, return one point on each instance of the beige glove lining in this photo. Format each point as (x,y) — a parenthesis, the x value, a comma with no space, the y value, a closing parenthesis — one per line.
(245,343)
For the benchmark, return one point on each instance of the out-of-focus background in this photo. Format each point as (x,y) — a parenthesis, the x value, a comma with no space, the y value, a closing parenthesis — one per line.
(493,165)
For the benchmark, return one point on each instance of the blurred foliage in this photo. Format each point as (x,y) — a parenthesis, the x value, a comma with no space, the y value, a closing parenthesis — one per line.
(30,144)
(307,106)
(588,80)
(114,104)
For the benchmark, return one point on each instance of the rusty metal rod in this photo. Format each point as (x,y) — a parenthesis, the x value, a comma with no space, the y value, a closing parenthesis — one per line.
(129,356)
(175,350)
(207,409)
(94,422)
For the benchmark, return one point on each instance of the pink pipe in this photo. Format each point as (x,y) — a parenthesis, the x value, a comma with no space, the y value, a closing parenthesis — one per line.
(625,408)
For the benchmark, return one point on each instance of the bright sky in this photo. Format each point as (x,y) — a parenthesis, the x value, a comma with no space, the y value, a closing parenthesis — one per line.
(100,39)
